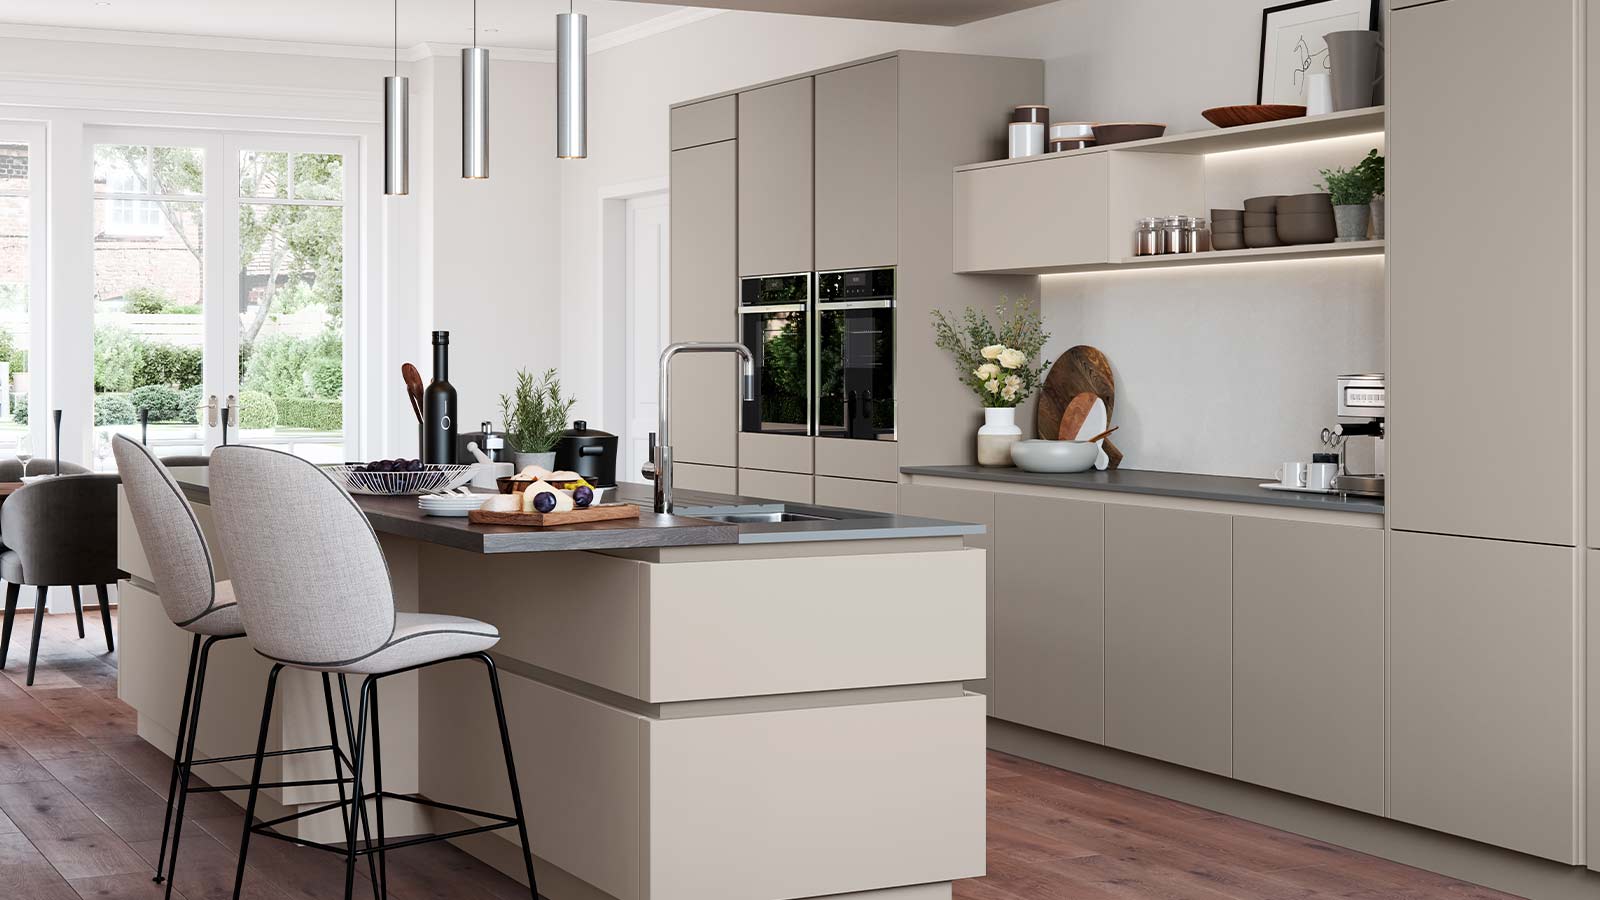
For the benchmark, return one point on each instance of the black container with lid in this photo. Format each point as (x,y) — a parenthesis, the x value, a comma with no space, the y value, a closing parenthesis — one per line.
(589,452)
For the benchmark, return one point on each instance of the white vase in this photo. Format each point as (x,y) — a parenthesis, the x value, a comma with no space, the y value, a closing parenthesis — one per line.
(998,433)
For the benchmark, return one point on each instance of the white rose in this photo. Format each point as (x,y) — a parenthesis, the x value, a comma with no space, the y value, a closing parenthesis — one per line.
(1012,359)
(993,351)
(993,385)
(987,371)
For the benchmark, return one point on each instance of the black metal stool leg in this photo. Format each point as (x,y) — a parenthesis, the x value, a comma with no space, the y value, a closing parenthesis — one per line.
(188,757)
(356,761)
(382,884)
(77,609)
(511,773)
(39,604)
(13,591)
(177,756)
(105,617)
(255,781)
(338,770)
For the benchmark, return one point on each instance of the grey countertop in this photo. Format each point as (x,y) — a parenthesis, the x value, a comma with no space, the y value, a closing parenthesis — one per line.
(400,516)
(1164,484)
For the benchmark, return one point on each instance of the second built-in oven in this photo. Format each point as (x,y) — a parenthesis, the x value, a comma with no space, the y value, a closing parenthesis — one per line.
(854,356)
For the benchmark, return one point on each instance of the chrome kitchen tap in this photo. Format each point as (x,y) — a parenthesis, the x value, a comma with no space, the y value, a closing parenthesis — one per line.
(659,468)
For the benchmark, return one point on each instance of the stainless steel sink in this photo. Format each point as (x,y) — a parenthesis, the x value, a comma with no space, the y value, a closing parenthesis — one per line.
(761,518)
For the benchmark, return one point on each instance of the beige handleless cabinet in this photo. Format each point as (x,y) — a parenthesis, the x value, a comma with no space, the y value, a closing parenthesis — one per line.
(960,505)
(1308,660)
(1483,330)
(776,163)
(1593,781)
(705,283)
(1168,635)
(1049,608)
(1483,690)
(858,166)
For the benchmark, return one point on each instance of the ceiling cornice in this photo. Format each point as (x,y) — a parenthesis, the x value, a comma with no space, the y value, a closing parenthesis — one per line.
(621,36)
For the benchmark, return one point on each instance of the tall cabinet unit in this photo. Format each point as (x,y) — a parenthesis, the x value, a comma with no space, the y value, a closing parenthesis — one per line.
(842,169)
(1485,591)
(705,395)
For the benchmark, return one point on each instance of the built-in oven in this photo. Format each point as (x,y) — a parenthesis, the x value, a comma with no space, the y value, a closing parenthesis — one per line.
(775,323)
(855,354)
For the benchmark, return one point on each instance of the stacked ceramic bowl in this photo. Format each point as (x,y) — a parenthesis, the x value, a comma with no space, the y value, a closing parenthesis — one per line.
(1261,222)
(1227,229)
(1071,136)
(1306,219)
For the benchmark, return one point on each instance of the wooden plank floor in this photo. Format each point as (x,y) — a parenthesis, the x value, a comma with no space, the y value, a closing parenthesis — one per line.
(82,797)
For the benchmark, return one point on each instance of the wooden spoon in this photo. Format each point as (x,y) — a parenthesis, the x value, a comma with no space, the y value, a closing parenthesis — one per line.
(413,388)
(1104,433)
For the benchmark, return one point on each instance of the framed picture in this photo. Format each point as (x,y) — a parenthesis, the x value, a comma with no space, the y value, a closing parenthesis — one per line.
(1292,47)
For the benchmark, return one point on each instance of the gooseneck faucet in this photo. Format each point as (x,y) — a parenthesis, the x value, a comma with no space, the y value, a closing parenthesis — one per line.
(660,466)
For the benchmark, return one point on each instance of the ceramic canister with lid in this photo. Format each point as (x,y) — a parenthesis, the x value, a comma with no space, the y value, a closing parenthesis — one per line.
(1026,139)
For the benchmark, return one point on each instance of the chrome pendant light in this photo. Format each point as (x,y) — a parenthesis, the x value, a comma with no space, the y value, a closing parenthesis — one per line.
(474,106)
(572,85)
(396,123)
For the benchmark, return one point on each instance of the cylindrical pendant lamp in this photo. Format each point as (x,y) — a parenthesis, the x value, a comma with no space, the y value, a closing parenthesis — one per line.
(396,123)
(572,85)
(474,106)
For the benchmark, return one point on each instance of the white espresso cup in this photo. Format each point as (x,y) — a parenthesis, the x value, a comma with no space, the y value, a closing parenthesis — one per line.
(1293,474)
(1320,476)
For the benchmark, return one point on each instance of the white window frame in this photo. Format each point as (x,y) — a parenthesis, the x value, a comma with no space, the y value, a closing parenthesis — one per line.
(33,135)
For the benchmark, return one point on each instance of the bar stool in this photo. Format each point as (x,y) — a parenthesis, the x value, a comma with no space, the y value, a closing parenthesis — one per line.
(180,561)
(314,591)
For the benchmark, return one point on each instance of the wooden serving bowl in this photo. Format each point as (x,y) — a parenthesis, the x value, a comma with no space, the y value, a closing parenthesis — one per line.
(1253,114)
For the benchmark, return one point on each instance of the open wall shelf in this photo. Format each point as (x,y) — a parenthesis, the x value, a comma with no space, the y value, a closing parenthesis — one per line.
(1217,257)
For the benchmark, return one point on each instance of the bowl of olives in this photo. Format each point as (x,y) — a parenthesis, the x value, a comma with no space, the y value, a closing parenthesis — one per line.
(398,477)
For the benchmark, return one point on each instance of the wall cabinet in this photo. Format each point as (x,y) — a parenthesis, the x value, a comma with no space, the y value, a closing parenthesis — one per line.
(1593,667)
(1462,312)
(1049,607)
(1482,715)
(705,387)
(960,505)
(1168,635)
(858,166)
(1015,217)
(706,122)
(776,167)
(1308,609)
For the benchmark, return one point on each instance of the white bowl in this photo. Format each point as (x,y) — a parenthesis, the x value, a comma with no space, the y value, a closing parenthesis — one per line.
(1054,456)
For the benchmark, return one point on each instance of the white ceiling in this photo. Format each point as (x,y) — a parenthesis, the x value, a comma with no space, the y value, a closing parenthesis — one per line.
(924,12)
(502,23)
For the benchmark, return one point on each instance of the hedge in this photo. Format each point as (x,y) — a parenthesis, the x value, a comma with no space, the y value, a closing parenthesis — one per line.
(316,415)
(114,409)
(164,403)
(257,410)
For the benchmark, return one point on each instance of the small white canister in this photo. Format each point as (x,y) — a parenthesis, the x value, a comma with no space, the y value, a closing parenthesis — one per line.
(1027,139)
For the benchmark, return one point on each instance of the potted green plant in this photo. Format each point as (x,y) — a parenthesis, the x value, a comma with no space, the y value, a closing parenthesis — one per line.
(534,414)
(997,360)
(1352,191)
(1374,164)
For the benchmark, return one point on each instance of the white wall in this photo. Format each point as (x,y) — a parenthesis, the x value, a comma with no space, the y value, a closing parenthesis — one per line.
(1276,336)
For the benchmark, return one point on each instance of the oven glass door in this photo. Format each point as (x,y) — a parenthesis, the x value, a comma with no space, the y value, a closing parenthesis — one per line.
(855,370)
(777,337)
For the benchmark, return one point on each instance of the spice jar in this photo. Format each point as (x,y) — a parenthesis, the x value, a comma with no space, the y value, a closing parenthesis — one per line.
(1178,236)
(1200,235)
(1148,238)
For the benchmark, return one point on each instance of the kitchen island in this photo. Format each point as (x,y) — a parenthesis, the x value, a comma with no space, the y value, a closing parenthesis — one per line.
(764,703)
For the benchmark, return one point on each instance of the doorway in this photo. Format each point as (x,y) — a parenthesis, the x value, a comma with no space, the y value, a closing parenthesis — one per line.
(636,284)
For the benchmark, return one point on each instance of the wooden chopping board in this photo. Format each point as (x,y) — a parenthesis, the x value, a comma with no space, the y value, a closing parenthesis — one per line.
(1080,370)
(603,513)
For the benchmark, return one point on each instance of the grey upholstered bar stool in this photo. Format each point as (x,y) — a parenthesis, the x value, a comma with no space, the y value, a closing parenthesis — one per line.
(59,532)
(314,590)
(185,578)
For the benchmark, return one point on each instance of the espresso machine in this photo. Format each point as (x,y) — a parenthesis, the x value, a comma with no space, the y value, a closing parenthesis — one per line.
(1361,411)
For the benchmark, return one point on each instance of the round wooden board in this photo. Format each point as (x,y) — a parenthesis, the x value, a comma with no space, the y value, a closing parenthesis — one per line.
(1083,369)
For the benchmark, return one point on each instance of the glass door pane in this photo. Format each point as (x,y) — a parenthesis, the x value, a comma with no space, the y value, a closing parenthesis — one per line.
(16,277)
(291,270)
(149,296)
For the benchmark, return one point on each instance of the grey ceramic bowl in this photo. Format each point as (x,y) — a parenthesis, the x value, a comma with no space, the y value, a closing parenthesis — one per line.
(1054,456)
(1260,220)
(1225,240)
(1260,237)
(1262,204)
(1306,228)
(1227,215)
(1305,203)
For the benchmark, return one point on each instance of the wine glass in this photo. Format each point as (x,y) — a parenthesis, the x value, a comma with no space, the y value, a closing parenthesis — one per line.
(102,449)
(25,451)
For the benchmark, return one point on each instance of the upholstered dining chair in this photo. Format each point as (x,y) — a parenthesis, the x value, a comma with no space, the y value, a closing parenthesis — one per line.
(196,602)
(11,471)
(59,532)
(314,592)
(185,460)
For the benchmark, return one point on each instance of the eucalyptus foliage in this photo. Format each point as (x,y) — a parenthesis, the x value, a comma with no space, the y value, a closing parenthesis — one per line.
(997,359)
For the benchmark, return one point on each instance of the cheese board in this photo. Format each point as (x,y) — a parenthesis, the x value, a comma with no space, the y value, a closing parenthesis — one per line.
(603,513)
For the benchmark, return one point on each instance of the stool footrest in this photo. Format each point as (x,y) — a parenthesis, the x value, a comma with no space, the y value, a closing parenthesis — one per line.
(265,829)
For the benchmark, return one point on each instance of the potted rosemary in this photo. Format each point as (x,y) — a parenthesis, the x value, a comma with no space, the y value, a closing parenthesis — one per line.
(534,415)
